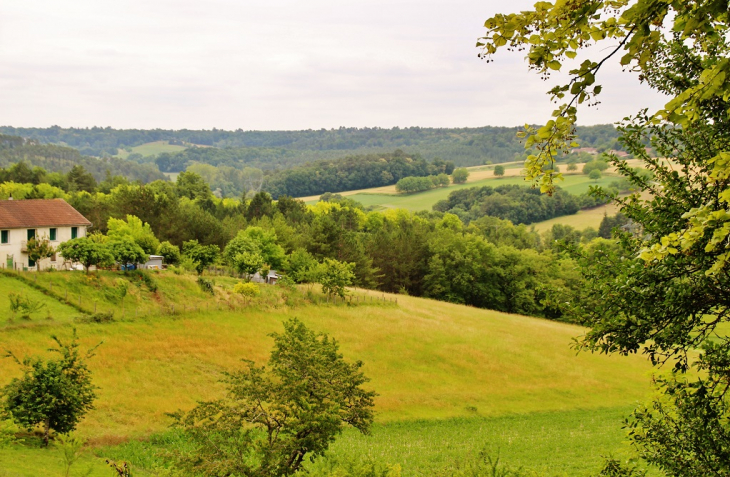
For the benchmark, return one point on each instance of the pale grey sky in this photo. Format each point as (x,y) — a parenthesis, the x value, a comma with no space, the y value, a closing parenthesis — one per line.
(274,64)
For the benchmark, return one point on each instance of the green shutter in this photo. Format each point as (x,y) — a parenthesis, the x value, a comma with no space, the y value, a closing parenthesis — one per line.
(74,232)
(5,236)
(53,234)
(31,233)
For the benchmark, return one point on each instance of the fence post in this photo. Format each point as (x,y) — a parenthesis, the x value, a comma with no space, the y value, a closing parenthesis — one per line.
(94,307)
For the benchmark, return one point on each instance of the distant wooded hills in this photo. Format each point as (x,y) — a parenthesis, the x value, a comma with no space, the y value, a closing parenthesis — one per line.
(284,149)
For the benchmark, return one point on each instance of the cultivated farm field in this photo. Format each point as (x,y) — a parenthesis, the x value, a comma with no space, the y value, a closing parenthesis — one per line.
(452,380)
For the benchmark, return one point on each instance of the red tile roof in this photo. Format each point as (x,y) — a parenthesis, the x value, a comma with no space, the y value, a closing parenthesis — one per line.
(20,214)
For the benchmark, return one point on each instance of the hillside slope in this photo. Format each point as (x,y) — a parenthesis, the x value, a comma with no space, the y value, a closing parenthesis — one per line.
(427,359)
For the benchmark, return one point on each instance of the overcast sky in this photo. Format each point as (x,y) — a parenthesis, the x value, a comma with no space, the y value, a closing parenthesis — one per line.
(271,64)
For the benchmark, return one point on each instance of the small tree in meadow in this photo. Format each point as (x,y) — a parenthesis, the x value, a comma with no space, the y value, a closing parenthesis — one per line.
(499,170)
(336,276)
(247,290)
(54,394)
(460,175)
(572,166)
(276,417)
(594,175)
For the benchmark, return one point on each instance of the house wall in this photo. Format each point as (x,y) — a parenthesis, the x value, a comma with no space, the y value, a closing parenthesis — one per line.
(16,237)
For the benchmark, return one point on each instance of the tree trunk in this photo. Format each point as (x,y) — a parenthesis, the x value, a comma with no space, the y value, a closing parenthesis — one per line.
(46,431)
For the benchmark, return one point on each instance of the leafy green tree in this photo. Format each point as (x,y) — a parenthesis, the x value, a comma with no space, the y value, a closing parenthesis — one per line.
(201,255)
(39,248)
(594,165)
(86,252)
(54,393)
(169,252)
(299,264)
(126,252)
(248,263)
(663,291)
(78,179)
(594,175)
(275,417)
(634,30)
(336,276)
(133,229)
(499,170)
(572,166)
(460,175)
(192,186)
(256,240)
(260,206)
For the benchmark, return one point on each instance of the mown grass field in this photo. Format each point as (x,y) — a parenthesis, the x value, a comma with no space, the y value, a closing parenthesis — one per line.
(450,378)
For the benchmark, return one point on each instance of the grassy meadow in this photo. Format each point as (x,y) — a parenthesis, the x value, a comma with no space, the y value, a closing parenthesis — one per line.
(451,379)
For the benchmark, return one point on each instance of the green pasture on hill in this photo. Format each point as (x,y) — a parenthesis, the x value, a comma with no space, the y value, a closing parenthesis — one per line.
(575,184)
(450,378)
(151,149)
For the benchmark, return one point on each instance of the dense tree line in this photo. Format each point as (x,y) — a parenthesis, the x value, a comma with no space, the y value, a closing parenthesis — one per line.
(352,172)
(518,204)
(62,159)
(463,146)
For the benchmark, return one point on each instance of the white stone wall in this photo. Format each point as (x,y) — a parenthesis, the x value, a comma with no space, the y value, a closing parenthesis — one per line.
(18,236)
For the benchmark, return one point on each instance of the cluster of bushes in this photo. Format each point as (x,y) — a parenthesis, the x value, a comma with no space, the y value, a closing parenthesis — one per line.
(420,184)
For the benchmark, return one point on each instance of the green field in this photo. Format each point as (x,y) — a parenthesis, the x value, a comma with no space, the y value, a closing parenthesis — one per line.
(451,379)
(151,149)
(575,184)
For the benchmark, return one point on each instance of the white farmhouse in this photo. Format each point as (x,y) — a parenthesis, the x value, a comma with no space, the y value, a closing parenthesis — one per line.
(21,220)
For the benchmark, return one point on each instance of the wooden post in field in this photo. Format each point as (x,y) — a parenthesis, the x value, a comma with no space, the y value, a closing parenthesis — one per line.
(66,298)
(94,307)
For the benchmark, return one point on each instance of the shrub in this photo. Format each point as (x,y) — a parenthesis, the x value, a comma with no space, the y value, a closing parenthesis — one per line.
(499,171)
(99,317)
(23,304)
(248,290)
(55,394)
(206,285)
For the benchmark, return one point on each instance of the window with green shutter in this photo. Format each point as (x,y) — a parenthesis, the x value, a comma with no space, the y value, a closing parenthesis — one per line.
(5,236)
(74,232)
(52,234)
